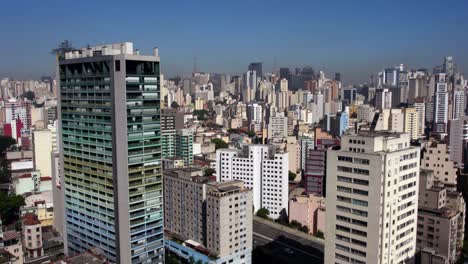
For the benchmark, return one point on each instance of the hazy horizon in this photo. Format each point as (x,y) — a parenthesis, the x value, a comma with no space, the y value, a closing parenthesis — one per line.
(356,40)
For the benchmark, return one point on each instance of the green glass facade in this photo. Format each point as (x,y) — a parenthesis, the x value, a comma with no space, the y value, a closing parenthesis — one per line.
(111,138)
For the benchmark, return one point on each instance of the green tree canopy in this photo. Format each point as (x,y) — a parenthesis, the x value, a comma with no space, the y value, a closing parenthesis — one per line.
(219,143)
(9,207)
(251,133)
(292,176)
(174,105)
(5,143)
(209,171)
(29,95)
(319,234)
(304,229)
(295,224)
(263,213)
(201,114)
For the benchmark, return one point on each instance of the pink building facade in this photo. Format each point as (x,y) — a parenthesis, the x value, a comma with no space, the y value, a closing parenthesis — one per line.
(308,210)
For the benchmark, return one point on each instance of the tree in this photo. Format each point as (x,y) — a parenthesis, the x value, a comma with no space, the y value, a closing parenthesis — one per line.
(219,143)
(9,207)
(295,224)
(263,213)
(5,174)
(304,229)
(170,259)
(292,176)
(29,95)
(174,105)
(251,133)
(200,114)
(209,171)
(319,234)
(5,143)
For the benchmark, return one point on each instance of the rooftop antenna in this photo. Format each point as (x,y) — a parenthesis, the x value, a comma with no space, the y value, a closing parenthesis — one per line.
(194,70)
(274,64)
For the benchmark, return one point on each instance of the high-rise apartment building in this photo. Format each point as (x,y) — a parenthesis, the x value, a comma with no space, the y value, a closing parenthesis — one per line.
(171,120)
(440,108)
(257,67)
(263,169)
(372,201)
(184,145)
(218,215)
(255,116)
(278,128)
(18,109)
(420,107)
(250,87)
(111,151)
(411,123)
(458,104)
(458,140)
(383,99)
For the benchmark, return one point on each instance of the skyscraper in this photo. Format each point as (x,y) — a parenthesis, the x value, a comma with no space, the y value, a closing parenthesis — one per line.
(440,100)
(110,130)
(372,201)
(257,67)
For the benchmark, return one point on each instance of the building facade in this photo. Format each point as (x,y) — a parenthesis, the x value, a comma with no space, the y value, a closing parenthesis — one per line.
(262,169)
(111,152)
(372,203)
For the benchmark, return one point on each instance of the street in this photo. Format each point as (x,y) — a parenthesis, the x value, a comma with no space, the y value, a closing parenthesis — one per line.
(275,245)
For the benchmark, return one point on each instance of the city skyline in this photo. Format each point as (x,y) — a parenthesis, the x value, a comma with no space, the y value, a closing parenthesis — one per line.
(345,38)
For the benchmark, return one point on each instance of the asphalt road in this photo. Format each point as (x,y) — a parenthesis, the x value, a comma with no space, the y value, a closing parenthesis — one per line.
(277,246)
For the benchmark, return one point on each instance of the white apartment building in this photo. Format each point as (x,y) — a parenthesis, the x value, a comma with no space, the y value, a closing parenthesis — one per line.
(278,128)
(44,143)
(441,111)
(372,201)
(263,169)
(421,110)
(458,104)
(396,121)
(383,99)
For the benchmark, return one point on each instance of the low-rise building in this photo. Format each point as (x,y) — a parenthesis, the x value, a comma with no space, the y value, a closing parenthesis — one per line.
(12,243)
(32,237)
(440,218)
(309,210)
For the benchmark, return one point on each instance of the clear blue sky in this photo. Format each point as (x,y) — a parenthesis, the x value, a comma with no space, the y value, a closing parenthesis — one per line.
(356,38)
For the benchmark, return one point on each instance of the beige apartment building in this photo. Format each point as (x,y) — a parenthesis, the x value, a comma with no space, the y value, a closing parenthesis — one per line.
(411,123)
(215,214)
(441,213)
(435,157)
(372,202)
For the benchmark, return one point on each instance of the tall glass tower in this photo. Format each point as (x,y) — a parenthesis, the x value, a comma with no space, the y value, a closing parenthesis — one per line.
(111,152)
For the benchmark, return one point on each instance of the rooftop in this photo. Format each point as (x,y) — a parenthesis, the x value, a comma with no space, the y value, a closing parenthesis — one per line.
(9,235)
(124,48)
(30,219)
(92,256)
(444,212)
